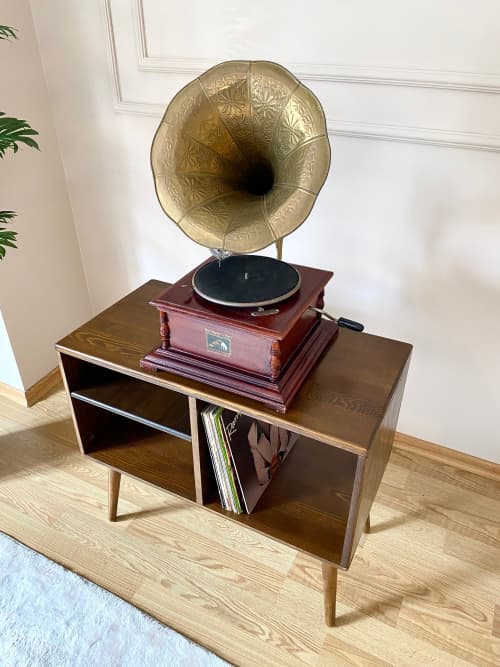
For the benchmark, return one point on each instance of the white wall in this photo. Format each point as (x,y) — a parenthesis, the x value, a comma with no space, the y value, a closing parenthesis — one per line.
(409,218)
(9,373)
(43,293)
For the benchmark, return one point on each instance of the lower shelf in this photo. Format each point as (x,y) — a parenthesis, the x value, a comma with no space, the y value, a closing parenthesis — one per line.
(306,505)
(149,455)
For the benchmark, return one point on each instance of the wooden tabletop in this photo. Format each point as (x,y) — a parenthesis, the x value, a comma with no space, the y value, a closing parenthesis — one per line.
(341,403)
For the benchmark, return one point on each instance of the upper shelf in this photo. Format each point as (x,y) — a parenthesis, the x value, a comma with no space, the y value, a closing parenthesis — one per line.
(143,402)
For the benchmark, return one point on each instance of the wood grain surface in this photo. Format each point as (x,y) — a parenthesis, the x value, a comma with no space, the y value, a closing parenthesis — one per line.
(423,587)
(341,402)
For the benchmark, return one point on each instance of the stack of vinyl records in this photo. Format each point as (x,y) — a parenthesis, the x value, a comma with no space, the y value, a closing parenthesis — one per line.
(246,453)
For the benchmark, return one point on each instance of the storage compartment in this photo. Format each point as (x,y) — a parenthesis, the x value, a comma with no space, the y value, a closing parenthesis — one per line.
(137,450)
(131,425)
(307,502)
(154,406)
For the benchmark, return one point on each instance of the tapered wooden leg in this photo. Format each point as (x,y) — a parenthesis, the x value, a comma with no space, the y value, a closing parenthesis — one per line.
(113,491)
(330,593)
(367,525)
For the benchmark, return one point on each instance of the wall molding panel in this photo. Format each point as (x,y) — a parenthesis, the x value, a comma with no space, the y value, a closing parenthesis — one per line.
(329,74)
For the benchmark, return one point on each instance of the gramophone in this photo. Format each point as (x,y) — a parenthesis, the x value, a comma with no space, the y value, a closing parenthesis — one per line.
(238,161)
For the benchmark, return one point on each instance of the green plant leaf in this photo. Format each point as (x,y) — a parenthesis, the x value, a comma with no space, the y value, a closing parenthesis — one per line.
(7,236)
(7,239)
(6,217)
(14,131)
(7,33)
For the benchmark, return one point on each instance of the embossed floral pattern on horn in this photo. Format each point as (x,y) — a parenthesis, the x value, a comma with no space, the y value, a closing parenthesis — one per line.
(241,155)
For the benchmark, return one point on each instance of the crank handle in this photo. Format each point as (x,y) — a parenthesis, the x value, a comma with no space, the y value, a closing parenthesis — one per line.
(341,321)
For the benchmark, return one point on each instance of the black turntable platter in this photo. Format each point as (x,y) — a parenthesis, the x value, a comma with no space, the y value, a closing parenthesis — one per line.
(246,281)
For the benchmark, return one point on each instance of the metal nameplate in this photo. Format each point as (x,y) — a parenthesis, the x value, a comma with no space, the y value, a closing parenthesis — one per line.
(216,342)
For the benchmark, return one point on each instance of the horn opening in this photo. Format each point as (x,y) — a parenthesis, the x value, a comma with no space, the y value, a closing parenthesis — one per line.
(240,156)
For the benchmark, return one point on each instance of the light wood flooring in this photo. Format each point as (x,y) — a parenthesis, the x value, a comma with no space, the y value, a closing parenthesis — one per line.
(423,589)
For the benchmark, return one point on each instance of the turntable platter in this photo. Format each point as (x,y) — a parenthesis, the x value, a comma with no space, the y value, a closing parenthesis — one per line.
(246,281)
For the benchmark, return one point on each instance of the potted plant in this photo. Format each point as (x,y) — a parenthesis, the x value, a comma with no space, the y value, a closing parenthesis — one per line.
(13,132)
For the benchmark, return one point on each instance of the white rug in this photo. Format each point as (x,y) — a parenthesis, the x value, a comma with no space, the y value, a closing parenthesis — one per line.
(51,617)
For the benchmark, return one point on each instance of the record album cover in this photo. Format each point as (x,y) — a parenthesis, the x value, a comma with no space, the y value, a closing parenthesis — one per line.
(257,450)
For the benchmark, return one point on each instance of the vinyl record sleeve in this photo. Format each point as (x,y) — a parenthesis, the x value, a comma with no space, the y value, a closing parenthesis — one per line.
(257,449)
(213,448)
(231,474)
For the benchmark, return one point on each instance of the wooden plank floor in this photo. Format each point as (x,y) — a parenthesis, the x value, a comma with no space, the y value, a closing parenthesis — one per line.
(424,586)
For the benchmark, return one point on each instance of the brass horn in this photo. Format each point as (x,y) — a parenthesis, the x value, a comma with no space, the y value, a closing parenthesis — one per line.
(240,156)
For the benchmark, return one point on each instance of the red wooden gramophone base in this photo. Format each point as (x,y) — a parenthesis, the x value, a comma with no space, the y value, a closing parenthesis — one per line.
(261,354)
(276,394)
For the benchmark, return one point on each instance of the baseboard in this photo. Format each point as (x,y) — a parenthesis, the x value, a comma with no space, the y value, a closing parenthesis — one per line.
(36,392)
(41,388)
(451,457)
(12,393)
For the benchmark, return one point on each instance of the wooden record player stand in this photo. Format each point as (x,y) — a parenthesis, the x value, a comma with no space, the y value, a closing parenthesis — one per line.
(147,425)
